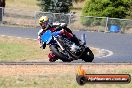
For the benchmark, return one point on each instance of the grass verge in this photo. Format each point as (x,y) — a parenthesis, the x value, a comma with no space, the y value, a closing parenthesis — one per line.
(14,49)
(57,76)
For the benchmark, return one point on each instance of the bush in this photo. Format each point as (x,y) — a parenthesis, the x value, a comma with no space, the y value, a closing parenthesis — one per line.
(106,8)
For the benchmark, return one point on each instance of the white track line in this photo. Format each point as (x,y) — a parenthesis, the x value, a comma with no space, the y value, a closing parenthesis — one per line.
(109,53)
(17,37)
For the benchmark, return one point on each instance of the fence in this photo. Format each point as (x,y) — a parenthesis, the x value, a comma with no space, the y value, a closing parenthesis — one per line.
(91,23)
(18,17)
(102,24)
(54,17)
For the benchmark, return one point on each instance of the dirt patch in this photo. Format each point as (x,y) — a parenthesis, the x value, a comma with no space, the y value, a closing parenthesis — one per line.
(10,70)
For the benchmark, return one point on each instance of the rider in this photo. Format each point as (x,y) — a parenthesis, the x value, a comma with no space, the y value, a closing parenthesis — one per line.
(47,25)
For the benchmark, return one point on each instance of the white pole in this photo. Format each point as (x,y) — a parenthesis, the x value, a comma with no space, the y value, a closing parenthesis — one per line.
(106,27)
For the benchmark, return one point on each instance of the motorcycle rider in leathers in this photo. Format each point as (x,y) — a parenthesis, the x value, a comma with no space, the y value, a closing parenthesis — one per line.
(47,25)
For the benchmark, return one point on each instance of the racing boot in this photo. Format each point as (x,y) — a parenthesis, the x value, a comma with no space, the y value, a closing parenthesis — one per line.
(52,57)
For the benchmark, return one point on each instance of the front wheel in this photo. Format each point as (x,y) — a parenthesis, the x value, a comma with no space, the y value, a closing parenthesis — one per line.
(66,60)
(89,56)
(56,51)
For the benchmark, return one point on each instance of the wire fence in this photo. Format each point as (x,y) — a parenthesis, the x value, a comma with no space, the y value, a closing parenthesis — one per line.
(17,17)
(75,22)
(90,23)
(102,24)
(54,17)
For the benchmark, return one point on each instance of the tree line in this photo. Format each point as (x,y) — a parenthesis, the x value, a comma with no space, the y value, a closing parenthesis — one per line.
(105,8)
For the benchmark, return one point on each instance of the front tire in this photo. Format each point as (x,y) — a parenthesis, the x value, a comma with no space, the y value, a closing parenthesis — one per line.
(61,56)
(67,60)
(89,56)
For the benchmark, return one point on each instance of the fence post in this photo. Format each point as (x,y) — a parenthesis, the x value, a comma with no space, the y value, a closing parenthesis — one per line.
(1,14)
(70,19)
(106,27)
(35,18)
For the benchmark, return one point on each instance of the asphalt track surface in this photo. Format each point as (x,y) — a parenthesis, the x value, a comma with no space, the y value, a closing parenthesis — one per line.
(119,44)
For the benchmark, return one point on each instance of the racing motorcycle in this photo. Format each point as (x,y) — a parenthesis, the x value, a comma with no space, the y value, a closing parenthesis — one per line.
(65,49)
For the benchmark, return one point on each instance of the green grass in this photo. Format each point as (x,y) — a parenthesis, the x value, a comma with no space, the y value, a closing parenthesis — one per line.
(57,76)
(41,81)
(12,49)
(11,52)
(51,81)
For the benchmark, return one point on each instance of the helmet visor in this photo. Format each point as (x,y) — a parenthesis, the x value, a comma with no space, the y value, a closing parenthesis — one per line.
(44,24)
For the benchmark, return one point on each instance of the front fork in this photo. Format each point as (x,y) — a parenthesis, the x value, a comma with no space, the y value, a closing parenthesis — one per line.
(83,39)
(58,43)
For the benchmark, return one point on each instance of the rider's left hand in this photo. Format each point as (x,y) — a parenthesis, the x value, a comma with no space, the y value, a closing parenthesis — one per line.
(62,31)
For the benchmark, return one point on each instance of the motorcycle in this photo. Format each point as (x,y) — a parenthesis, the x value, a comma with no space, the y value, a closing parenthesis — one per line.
(65,49)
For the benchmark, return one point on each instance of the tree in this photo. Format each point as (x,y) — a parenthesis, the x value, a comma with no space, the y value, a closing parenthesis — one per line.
(61,6)
(130,11)
(78,1)
(107,8)
(2,3)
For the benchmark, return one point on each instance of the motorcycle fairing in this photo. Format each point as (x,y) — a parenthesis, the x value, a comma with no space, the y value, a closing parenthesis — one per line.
(47,36)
